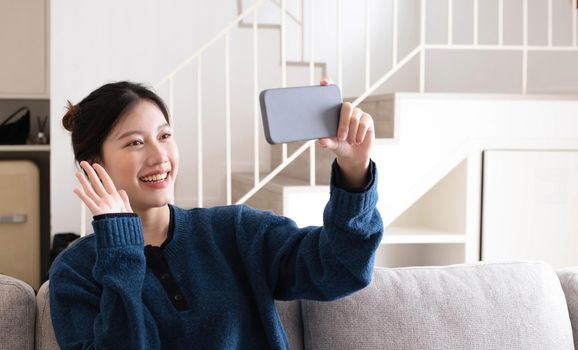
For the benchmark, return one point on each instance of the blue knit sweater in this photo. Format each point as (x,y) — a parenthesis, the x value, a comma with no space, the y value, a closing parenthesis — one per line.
(227,266)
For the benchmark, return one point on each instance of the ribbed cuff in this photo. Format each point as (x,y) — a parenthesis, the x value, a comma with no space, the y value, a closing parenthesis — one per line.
(113,215)
(117,230)
(358,201)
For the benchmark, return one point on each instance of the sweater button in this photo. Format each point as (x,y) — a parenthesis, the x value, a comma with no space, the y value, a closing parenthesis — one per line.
(178,297)
(165,276)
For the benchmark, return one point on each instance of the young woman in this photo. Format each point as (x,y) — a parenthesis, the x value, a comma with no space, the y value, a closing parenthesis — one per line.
(155,276)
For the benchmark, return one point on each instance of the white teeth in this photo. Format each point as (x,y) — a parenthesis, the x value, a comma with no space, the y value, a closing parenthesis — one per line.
(154,178)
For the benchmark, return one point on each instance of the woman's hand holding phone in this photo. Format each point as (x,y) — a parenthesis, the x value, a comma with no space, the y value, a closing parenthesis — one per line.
(353,144)
(98,191)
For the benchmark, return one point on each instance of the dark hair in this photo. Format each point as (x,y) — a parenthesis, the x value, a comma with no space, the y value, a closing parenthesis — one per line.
(91,120)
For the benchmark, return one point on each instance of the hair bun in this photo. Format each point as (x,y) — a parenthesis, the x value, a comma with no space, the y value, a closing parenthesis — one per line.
(70,116)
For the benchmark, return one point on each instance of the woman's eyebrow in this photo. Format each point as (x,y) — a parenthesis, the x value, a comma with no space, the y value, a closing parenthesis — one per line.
(129,133)
(132,132)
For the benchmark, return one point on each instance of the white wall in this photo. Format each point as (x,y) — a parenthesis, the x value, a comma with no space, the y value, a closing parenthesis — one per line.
(94,42)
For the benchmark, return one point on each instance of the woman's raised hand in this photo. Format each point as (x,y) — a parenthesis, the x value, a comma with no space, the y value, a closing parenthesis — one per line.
(98,191)
(352,146)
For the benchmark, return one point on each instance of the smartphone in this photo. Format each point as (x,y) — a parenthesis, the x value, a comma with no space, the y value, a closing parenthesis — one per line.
(300,113)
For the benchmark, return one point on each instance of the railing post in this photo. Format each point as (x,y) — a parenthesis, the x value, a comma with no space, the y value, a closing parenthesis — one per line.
(283,64)
(311,82)
(450,22)
(394,34)
(311,38)
(312,168)
(199,132)
(255,99)
(574,12)
(172,109)
(549,23)
(476,6)
(525,46)
(422,48)
(367,46)
(339,48)
(500,22)
(228,121)
(283,48)
(303,30)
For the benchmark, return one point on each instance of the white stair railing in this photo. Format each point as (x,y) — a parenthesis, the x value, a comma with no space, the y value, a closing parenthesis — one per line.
(369,87)
(286,159)
(500,46)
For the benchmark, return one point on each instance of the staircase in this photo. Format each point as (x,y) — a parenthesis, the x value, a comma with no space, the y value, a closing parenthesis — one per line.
(292,180)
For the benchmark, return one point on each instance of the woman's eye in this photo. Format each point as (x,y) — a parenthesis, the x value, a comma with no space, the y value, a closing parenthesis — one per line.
(166,135)
(135,143)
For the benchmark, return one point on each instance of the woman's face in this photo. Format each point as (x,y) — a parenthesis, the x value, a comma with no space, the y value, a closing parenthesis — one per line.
(141,157)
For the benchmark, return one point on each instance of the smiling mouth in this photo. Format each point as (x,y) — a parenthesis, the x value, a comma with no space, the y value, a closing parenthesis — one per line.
(155,178)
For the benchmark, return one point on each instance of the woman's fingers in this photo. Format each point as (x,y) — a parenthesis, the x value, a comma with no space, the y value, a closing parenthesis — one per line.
(86,199)
(98,191)
(353,125)
(326,81)
(344,120)
(125,200)
(365,126)
(106,180)
(93,177)
(86,186)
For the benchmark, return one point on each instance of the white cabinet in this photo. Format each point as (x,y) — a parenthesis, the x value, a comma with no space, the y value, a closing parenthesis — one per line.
(530,206)
(24,28)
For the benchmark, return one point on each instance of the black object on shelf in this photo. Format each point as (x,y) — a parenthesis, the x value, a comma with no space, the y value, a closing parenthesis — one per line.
(41,138)
(15,132)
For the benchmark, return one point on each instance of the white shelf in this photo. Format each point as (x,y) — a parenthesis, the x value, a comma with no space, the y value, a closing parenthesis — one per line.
(24,148)
(420,235)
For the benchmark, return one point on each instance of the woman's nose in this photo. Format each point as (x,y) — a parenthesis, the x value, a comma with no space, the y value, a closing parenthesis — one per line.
(158,154)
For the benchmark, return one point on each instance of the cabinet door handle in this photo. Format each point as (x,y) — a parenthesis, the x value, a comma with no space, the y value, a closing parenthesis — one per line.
(13,219)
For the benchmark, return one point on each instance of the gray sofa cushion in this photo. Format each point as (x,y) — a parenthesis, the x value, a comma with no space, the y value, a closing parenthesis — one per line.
(45,339)
(290,314)
(569,280)
(17,307)
(479,306)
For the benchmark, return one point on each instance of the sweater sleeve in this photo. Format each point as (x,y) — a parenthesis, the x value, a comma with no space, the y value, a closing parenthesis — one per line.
(105,310)
(319,263)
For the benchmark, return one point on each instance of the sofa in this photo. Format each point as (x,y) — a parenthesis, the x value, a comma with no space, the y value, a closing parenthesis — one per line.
(500,305)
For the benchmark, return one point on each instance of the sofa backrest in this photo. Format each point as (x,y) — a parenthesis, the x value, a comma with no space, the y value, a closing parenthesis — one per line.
(569,281)
(481,306)
(45,339)
(17,314)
